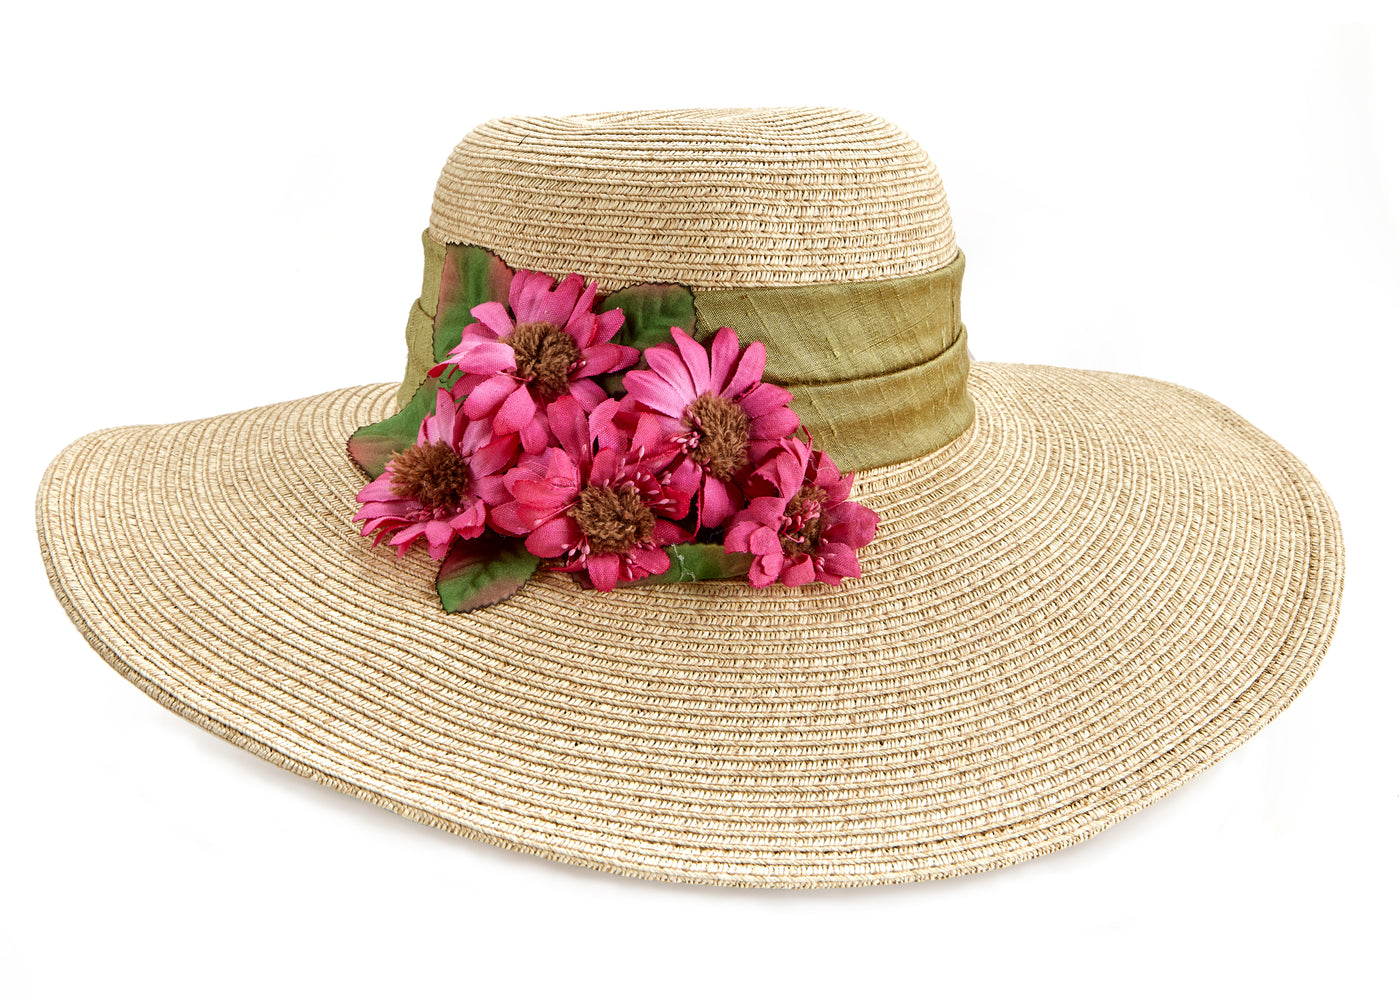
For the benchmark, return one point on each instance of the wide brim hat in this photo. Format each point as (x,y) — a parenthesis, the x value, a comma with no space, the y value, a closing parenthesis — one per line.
(1084,587)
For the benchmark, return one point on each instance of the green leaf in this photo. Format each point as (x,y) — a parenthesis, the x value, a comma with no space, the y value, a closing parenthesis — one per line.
(471,276)
(483,571)
(374,445)
(701,562)
(650,312)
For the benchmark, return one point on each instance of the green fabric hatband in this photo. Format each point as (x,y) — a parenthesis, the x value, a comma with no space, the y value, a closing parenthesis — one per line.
(877,369)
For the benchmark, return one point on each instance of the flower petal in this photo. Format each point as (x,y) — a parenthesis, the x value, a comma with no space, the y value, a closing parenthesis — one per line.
(515,411)
(603,427)
(532,300)
(687,477)
(736,540)
(666,361)
(587,393)
(767,510)
(851,523)
(569,423)
(582,322)
(603,571)
(469,522)
(605,358)
(839,560)
(718,502)
(379,489)
(649,388)
(785,469)
(494,316)
(554,538)
(763,399)
(492,489)
(749,370)
(486,358)
(443,421)
(439,535)
(534,434)
(492,457)
(837,487)
(764,570)
(605,467)
(529,291)
(697,361)
(608,324)
(563,299)
(506,519)
(644,563)
(560,468)
(487,396)
(724,353)
(774,425)
(648,438)
(667,533)
(406,537)
(539,494)
(801,572)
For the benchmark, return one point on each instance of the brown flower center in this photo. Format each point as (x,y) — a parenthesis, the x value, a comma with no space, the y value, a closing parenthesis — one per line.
(722,433)
(433,474)
(804,526)
(544,354)
(614,520)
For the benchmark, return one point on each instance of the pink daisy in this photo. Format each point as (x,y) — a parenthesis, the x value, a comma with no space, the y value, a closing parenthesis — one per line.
(547,345)
(807,531)
(592,501)
(716,408)
(440,488)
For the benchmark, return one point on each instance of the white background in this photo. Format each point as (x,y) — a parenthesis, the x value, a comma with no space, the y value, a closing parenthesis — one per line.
(208,208)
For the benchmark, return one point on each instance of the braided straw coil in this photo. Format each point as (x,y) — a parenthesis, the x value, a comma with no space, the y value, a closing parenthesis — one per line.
(711,199)
(1066,613)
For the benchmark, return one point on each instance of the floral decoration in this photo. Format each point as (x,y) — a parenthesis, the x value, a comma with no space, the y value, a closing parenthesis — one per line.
(602,438)
(549,343)
(798,524)
(439,489)
(716,410)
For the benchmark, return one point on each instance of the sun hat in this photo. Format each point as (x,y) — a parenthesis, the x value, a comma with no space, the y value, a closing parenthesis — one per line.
(692,544)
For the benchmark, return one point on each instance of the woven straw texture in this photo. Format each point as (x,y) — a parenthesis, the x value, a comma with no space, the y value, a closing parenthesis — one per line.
(1066,613)
(710,198)
(1101,587)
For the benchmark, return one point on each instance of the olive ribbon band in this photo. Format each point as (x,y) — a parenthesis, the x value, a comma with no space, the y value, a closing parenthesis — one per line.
(877,369)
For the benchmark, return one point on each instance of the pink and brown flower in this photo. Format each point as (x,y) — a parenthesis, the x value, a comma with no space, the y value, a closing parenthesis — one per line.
(442,487)
(546,344)
(804,529)
(716,409)
(591,500)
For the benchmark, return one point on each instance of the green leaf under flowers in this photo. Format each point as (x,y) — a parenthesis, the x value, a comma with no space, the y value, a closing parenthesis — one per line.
(483,571)
(374,445)
(650,311)
(701,562)
(471,276)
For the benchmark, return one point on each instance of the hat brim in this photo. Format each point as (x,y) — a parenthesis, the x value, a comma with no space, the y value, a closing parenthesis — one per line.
(1101,588)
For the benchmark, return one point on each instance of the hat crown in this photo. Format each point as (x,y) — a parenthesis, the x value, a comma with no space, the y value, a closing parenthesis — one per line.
(763,197)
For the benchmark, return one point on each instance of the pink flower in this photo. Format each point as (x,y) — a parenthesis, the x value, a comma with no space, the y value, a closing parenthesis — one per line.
(440,488)
(547,345)
(807,531)
(592,500)
(716,408)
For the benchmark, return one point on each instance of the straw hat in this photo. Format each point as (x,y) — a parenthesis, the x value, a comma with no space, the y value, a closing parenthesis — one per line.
(1083,589)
